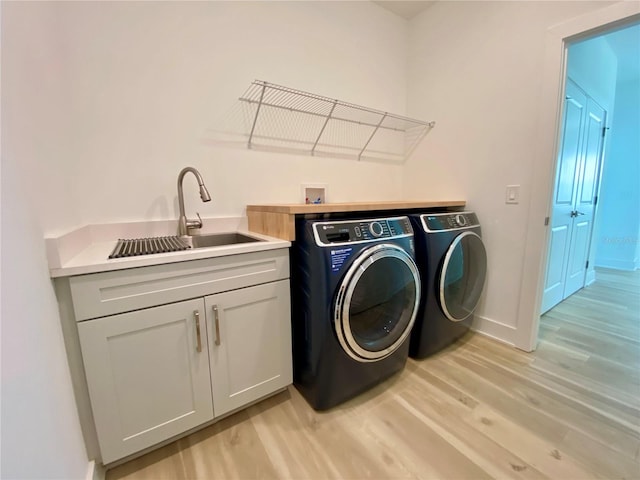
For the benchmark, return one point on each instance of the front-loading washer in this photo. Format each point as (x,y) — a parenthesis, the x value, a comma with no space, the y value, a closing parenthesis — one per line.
(452,261)
(355,296)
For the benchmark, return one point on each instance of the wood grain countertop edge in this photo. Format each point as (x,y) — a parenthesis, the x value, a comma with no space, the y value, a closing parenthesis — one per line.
(300,208)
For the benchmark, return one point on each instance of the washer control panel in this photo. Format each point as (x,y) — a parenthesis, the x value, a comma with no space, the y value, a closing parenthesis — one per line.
(437,222)
(349,231)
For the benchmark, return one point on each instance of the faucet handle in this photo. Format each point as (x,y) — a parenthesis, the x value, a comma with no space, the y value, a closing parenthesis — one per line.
(194,224)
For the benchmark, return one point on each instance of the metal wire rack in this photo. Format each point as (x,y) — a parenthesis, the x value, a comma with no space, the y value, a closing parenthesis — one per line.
(281,117)
(146,246)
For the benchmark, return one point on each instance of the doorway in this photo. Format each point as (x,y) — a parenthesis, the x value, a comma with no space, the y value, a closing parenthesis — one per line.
(606,67)
(557,38)
(575,194)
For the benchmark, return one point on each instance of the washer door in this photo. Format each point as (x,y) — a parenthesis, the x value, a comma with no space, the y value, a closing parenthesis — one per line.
(377,303)
(462,276)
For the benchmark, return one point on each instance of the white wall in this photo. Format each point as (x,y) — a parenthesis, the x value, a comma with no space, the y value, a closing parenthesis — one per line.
(36,94)
(104,102)
(40,434)
(593,66)
(151,79)
(475,68)
(617,239)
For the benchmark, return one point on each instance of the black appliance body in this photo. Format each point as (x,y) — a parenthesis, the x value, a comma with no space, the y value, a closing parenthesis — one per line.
(453,265)
(355,296)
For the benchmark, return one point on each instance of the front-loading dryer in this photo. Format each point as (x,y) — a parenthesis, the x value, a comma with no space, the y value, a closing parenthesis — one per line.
(453,265)
(355,296)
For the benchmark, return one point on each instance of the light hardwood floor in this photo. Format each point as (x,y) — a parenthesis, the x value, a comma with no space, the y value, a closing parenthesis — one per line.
(481,409)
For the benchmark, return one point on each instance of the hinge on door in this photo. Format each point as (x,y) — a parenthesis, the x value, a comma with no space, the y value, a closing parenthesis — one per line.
(604,130)
(595,200)
(546,221)
(587,265)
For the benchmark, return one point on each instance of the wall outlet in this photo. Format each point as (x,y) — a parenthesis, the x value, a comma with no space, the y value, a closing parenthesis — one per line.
(513,194)
(314,193)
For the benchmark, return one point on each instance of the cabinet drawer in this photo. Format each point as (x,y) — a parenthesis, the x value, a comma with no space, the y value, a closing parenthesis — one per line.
(108,293)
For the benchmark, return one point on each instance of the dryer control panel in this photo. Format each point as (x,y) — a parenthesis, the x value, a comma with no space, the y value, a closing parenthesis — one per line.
(350,231)
(437,222)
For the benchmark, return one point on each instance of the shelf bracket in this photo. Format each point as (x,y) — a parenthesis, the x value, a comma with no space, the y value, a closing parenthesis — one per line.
(253,127)
(371,136)
(326,121)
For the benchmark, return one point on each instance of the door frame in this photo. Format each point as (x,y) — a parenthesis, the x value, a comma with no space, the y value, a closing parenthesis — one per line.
(557,39)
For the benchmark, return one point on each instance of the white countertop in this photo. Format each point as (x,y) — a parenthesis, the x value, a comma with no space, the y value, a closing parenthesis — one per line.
(87,249)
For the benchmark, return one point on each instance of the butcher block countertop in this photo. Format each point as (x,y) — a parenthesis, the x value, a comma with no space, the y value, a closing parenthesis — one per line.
(278,220)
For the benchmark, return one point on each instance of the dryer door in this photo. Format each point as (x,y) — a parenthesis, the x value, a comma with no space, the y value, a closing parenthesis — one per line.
(377,303)
(462,276)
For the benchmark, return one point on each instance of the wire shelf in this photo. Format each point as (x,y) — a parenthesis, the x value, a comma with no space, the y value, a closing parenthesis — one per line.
(280,117)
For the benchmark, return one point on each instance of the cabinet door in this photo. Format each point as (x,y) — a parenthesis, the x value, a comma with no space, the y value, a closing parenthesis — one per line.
(148,380)
(249,333)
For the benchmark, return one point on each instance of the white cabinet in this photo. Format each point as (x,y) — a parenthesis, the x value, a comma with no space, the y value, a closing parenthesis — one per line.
(147,380)
(158,371)
(249,344)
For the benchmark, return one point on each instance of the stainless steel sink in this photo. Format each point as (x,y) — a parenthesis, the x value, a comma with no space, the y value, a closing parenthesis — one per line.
(221,239)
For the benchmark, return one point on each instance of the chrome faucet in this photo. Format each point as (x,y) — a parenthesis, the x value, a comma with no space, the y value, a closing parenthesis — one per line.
(184,224)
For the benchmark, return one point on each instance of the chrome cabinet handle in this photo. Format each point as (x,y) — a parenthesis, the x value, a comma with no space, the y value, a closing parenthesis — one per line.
(216,319)
(196,314)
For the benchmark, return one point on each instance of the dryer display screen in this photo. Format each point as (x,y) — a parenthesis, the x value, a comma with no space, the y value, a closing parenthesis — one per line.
(337,237)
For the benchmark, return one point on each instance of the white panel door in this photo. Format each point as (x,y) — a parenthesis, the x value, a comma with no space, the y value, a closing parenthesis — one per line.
(554,280)
(249,334)
(567,174)
(148,380)
(575,192)
(584,205)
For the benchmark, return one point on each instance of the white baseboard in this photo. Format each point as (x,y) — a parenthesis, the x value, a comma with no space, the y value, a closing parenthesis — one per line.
(95,471)
(491,328)
(615,264)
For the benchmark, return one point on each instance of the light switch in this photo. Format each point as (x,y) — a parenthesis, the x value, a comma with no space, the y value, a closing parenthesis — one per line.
(513,194)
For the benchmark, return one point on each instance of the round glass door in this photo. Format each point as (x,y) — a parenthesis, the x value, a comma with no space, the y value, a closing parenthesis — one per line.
(377,303)
(462,276)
